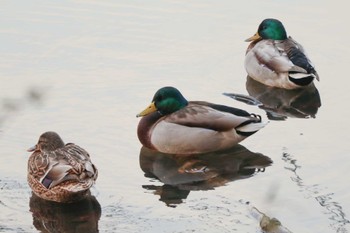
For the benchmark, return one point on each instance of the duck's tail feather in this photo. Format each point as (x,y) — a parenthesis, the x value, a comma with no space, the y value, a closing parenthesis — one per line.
(251,128)
(301,79)
(317,77)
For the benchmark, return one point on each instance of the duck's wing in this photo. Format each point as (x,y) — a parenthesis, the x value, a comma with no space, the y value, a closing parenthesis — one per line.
(286,56)
(68,163)
(296,53)
(78,158)
(212,116)
(272,56)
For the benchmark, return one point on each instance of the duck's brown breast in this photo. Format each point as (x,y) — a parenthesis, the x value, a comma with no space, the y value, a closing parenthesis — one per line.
(144,129)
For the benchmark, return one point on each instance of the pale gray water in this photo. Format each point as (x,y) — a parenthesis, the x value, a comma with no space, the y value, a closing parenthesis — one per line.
(86,68)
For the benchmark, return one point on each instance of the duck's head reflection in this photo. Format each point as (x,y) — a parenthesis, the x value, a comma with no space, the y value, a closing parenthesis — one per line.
(182,174)
(79,216)
(282,103)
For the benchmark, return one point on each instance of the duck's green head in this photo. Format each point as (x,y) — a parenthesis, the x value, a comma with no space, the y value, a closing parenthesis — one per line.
(269,29)
(166,100)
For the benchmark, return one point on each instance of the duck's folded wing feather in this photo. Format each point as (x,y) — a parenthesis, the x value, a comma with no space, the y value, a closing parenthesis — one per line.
(270,55)
(81,162)
(203,116)
(59,173)
(297,55)
(293,51)
(249,129)
(68,163)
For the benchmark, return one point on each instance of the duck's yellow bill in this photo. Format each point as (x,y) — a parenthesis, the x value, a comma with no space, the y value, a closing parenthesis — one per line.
(252,38)
(151,108)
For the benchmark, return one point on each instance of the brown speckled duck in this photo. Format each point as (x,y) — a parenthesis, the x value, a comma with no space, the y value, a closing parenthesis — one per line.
(60,172)
(171,124)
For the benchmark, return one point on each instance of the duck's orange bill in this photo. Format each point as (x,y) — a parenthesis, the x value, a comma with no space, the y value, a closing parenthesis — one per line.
(151,108)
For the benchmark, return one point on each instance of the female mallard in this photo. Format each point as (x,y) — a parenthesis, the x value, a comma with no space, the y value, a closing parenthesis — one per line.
(277,60)
(59,172)
(171,124)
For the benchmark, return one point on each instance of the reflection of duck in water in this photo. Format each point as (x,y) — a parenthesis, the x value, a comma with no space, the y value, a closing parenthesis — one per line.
(171,124)
(281,103)
(181,174)
(81,216)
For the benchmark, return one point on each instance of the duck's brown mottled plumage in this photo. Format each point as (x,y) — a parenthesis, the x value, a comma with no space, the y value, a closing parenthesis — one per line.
(59,172)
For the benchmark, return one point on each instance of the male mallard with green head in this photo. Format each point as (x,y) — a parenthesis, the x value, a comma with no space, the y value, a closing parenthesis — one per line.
(59,172)
(171,124)
(276,60)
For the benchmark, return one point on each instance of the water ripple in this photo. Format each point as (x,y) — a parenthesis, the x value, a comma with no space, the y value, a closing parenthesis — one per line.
(333,209)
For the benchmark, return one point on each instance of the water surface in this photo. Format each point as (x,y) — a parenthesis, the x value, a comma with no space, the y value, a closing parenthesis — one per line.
(86,68)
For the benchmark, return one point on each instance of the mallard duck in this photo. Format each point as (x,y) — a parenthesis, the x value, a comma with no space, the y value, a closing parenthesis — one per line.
(171,124)
(59,172)
(276,60)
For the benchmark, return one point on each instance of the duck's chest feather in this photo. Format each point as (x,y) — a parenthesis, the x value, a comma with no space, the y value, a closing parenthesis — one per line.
(145,128)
